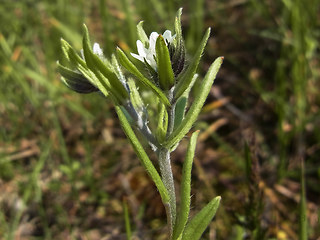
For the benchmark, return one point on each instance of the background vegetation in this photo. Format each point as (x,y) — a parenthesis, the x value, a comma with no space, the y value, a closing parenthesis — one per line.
(66,169)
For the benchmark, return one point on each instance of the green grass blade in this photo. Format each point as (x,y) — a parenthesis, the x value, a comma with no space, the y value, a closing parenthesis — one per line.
(303,223)
(130,23)
(200,222)
(127,220)
(146,162)
(196,107)
(185,188)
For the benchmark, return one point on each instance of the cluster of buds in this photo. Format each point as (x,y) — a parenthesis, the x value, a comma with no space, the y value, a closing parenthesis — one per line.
(160,67)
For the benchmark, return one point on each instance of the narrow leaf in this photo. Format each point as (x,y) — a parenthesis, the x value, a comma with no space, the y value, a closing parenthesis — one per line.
(162,123)
(185,78)
(182,104)
(71,54)
(125,62)
(136,100)
(185,188)
(146,162)
(200,222)
(197,105)
(166,76)
(179,111)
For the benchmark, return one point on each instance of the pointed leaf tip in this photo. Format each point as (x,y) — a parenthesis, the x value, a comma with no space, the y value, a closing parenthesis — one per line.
(198,224)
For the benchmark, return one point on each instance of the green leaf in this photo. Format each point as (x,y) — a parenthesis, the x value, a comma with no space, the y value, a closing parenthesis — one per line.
(145,160)
(166,76)
(182,104)
(142,34)
(136,99)
(196,106)
(185,78)
(185,188)
(125,62)
(162,123)
(200,222)
(179,111)
(96,64)
(71,55)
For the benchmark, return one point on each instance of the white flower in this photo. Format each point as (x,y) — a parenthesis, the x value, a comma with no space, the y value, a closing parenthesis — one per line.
(150,53)
(96,50)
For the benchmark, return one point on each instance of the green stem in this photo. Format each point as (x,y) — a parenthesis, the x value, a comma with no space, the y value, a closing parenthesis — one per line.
(168,181)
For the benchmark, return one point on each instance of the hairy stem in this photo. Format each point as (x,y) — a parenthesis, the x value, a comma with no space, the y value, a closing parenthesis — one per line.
(141,126)
(167,178)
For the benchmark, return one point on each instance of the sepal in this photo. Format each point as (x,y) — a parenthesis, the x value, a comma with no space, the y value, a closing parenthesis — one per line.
(165,72)
(177,50)
(185,78)
(75,81)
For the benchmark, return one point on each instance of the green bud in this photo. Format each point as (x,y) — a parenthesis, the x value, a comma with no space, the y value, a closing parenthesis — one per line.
(75,80)
(99,68)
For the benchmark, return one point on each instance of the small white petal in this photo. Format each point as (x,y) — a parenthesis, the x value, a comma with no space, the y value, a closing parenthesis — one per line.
(141,49)
(152,41)
(81,53)
(97,50)
(167,35)
(148,54)
(137,57)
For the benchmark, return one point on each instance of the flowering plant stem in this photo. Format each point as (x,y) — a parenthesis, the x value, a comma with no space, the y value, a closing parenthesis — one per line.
(170,81)
(167,178)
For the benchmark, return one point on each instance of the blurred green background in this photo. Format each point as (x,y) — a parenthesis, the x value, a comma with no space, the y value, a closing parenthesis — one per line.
(66,169)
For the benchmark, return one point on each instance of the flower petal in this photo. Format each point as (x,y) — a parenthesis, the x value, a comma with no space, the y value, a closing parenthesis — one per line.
(137,57)
(97,50)
(167,36)
(152,41)
(141,49)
